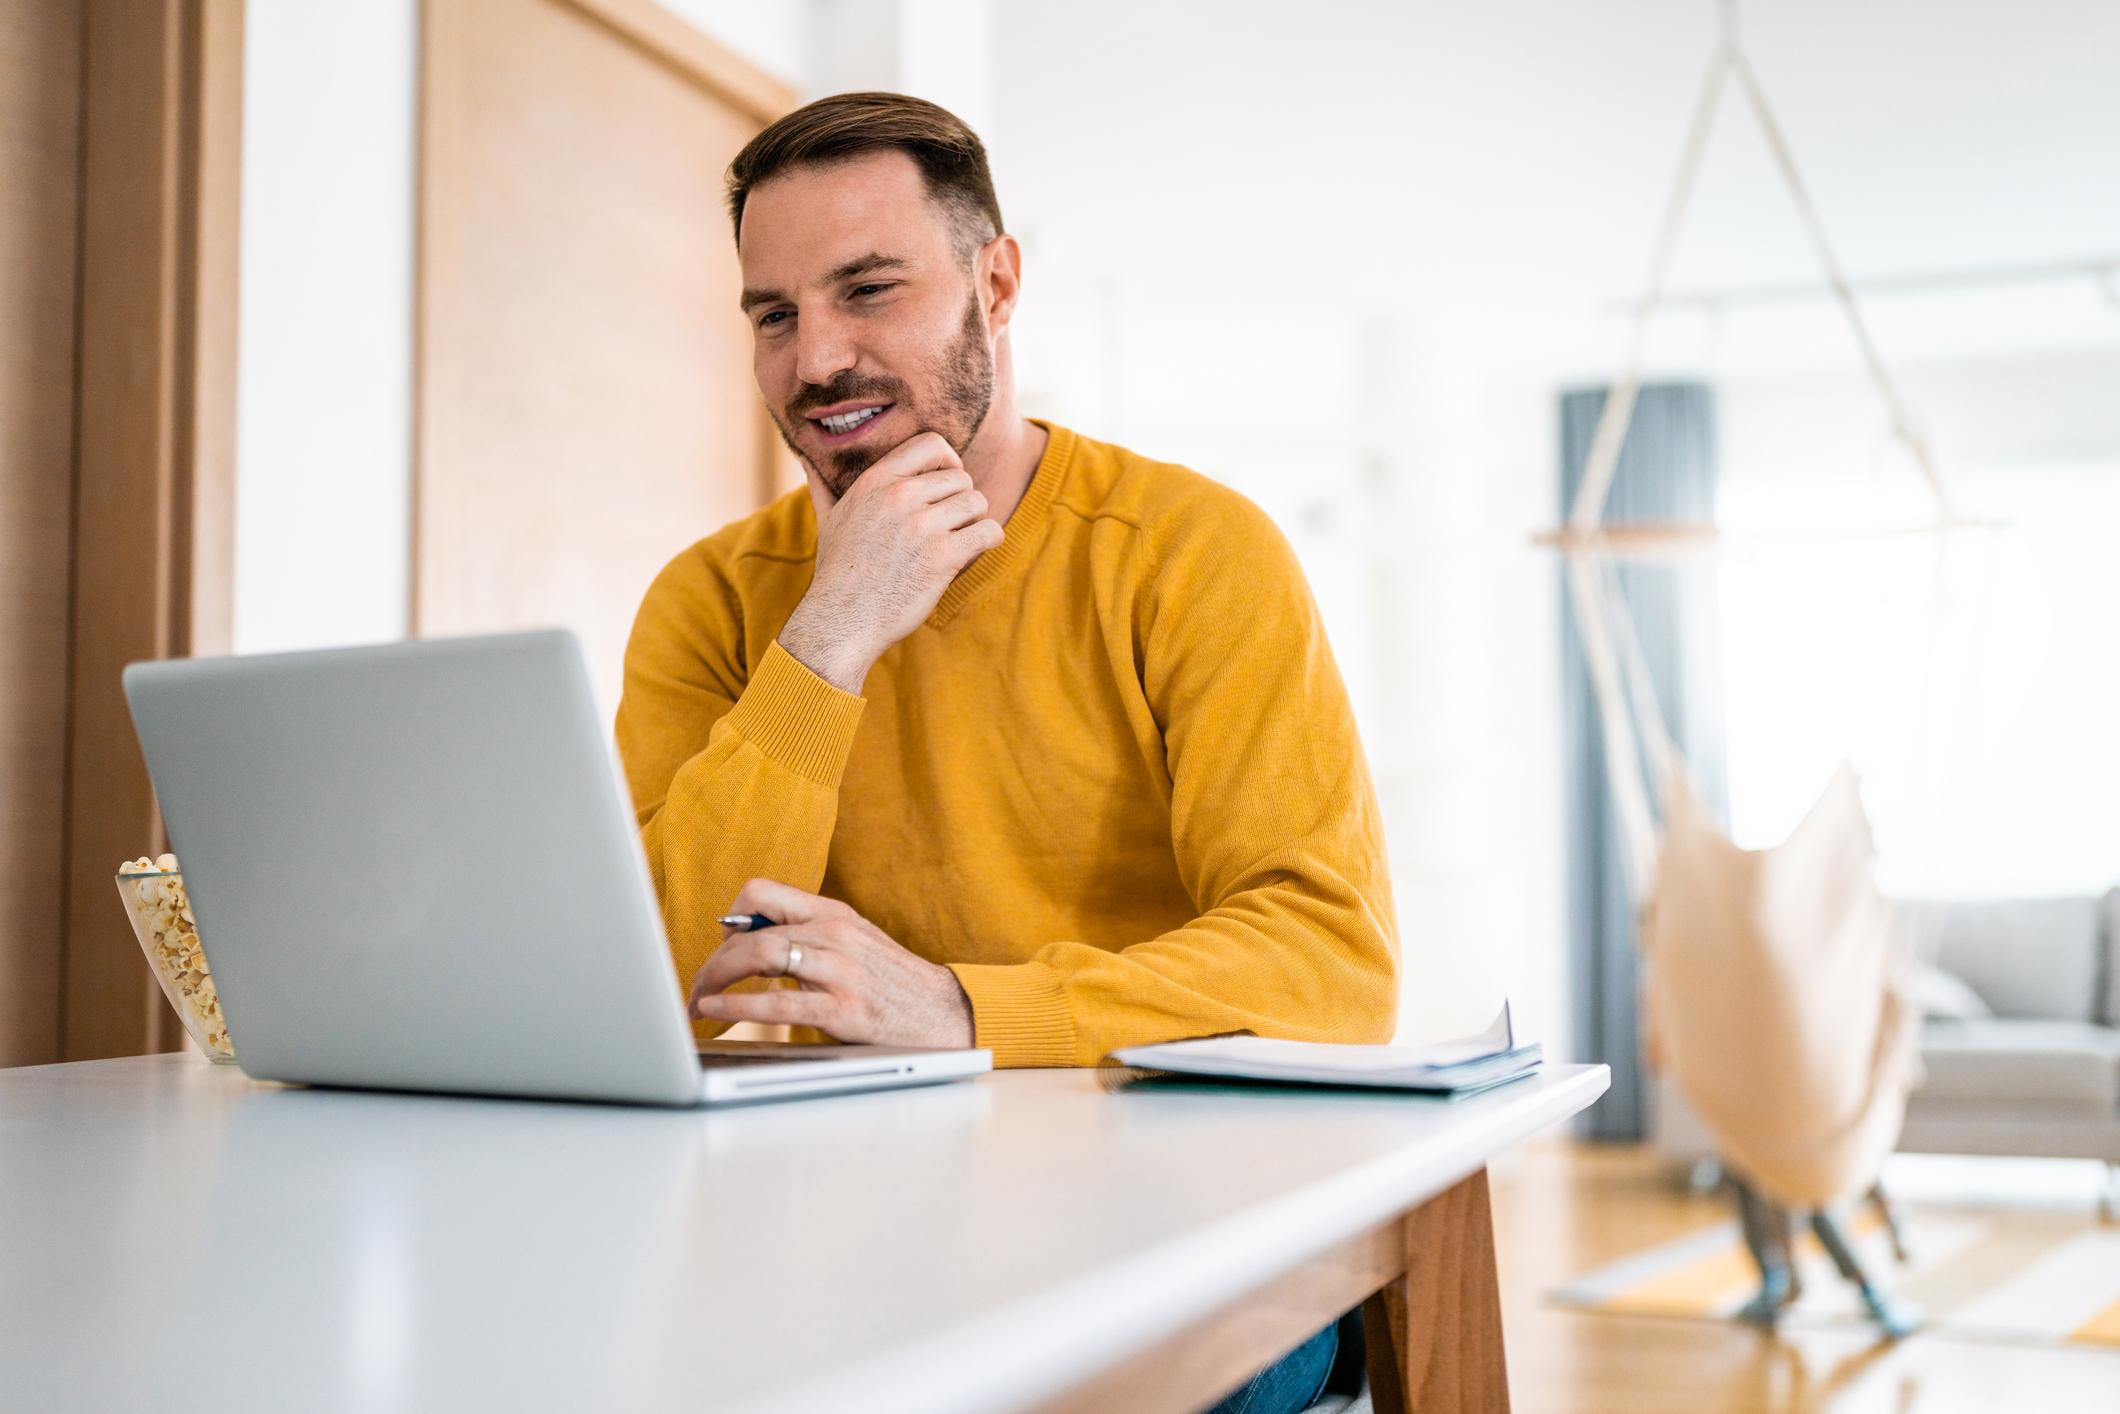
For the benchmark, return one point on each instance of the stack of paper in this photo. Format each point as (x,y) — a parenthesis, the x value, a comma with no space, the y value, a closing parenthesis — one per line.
(1448,1067)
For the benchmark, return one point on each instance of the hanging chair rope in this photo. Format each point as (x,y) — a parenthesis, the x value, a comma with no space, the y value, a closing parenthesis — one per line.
(1605,443)
(1641,767)
(1624,765)
(1902,423)
(1603,458)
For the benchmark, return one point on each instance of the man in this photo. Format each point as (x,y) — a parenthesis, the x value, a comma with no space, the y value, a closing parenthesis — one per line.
(1026,741)
(1023,741)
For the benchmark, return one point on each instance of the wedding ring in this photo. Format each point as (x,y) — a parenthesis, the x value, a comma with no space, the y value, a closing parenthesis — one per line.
(787,969)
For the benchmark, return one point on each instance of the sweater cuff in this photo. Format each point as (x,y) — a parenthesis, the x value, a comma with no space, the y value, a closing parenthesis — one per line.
(1018,1012)
(797,718)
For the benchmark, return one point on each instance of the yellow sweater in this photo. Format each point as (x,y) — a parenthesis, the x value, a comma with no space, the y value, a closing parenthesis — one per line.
(1113,781)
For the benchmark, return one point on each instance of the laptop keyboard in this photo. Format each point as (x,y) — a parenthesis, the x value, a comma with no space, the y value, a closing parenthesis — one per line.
(718,1059)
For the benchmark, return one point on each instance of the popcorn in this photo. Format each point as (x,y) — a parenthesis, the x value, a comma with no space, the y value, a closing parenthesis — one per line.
(162,920)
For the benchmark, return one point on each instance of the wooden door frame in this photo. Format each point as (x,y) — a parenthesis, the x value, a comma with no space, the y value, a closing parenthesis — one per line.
(445,44)
(154,455)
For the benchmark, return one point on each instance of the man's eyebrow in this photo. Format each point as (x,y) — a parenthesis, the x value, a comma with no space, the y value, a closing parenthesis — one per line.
(860,265)
(867,265)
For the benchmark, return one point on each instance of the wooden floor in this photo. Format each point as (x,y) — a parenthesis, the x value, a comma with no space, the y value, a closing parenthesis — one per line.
(1563,1208)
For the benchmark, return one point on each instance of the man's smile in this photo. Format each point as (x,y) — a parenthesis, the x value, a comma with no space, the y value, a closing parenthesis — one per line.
(847,422)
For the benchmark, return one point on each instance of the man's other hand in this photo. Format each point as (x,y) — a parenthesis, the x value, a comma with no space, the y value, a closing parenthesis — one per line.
(885,552)
(852,981)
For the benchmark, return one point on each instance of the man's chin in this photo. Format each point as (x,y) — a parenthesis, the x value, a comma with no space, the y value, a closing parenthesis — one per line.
(845,469)
(839,470)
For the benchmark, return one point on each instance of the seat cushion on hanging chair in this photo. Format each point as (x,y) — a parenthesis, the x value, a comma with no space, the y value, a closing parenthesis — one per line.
(2022,1064)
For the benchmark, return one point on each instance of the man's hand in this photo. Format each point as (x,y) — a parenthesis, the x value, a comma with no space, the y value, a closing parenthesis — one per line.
(885,552)
(853,982)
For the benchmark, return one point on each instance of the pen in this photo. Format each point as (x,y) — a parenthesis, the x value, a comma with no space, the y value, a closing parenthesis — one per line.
(745,922)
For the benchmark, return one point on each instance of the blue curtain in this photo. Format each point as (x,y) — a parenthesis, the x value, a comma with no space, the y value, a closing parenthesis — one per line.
(1667,471)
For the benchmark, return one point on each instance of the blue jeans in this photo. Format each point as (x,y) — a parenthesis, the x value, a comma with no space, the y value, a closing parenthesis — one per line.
(1290,1383)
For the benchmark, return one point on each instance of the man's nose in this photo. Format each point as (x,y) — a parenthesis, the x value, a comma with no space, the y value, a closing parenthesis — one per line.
(822,349)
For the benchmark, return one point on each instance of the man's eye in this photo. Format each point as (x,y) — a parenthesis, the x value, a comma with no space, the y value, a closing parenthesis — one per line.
(768,319)
(864,289)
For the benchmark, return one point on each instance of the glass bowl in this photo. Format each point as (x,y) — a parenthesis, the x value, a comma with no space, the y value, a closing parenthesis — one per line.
(161,919)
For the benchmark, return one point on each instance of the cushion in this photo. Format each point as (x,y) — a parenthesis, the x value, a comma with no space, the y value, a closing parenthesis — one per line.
(2026,957)
(1945,995)
(2032,1063)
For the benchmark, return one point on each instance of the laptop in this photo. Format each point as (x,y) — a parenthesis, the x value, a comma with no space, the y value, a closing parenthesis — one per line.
(415,866)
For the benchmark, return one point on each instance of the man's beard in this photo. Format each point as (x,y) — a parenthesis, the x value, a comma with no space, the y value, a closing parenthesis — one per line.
(964,381)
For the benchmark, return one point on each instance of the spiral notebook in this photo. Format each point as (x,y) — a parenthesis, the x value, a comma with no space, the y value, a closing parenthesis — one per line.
(1453,1068)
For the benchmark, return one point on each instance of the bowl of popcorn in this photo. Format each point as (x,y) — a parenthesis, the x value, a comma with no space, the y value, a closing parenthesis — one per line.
(153,891)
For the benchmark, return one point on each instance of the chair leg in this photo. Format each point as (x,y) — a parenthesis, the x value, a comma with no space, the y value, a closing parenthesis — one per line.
(1897,1318)
(1766,1229)
(1894,1221)
(1835,1242)
(1705,1176)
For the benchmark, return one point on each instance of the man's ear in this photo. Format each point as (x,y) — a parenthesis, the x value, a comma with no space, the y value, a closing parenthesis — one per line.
(999,270)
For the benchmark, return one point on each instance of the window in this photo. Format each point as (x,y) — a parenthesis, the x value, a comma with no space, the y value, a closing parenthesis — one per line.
(1974,680)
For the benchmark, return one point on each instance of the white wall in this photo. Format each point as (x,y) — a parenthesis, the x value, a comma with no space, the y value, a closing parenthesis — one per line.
(324,341)
(776,35)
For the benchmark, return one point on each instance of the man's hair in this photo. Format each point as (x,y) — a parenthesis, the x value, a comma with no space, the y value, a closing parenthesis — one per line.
(951,158)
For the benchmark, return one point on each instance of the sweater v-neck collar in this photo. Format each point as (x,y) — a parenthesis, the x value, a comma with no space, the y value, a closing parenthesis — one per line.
(1023,528)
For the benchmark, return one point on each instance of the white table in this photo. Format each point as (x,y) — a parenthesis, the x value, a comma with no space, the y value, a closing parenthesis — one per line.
(175,1236)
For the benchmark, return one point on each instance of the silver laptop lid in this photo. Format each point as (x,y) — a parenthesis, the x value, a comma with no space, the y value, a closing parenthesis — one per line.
(415,866)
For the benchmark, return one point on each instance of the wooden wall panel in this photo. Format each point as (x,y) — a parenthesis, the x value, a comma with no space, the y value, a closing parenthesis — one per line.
(40,124)
(153,499)
(585,400)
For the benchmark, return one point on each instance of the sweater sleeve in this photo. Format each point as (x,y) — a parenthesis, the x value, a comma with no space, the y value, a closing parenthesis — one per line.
(1274,826)
(734,774)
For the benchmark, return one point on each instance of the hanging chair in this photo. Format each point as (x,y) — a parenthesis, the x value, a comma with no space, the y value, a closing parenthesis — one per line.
(1778,982)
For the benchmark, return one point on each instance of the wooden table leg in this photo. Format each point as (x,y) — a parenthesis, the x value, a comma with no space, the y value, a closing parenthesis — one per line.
(1435,1334)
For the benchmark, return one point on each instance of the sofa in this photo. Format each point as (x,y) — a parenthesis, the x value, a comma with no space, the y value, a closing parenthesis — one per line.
(2020,1037)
